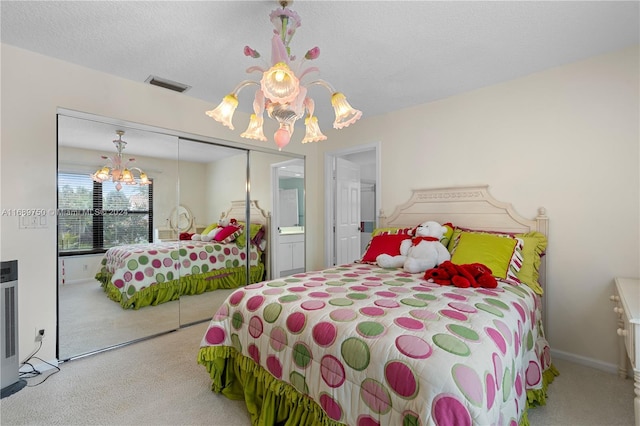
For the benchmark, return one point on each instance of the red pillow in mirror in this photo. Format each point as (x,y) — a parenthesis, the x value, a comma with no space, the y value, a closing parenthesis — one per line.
(227,231)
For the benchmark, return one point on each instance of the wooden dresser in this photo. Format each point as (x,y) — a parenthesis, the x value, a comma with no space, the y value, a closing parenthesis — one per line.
(627,300)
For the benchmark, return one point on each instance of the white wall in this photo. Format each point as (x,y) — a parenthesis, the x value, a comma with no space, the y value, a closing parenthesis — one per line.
(193,193)
(74,269)
(566,139)
(229,178)
(33,88)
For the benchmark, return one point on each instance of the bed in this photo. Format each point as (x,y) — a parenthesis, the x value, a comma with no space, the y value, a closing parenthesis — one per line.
(360,345)
(140,275)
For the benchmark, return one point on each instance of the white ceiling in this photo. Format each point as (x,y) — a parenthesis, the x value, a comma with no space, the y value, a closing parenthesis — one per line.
(384,55)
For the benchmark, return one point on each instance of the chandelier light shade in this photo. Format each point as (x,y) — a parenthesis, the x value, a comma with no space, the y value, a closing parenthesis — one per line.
(117,170)
(282,91)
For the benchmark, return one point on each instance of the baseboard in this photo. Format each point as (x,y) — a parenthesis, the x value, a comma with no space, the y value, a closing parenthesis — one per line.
(582,360)
(79,281)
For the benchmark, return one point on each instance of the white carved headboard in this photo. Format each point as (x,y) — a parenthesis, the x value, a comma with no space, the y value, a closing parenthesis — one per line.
(468,206)
(238,211)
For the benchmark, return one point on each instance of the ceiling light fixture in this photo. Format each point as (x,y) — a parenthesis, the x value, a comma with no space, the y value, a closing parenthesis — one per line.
(118,171)
(281,91)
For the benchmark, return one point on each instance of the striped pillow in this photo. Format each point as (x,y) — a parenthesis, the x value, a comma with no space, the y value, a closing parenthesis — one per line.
(229,234)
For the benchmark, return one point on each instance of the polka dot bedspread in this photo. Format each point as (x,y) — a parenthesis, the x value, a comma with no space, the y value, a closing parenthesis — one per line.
(378,346)
(137,266)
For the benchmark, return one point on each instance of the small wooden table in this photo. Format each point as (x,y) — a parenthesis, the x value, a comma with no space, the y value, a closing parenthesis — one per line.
(627,300)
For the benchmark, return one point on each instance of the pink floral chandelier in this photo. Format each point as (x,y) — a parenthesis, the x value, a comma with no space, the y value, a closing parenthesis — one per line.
(118,170)
(282,92)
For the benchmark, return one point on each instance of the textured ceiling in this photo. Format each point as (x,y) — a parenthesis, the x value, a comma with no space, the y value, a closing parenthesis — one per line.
(384,55)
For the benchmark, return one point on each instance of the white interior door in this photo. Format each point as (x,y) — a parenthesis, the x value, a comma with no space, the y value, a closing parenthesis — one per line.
(347,234)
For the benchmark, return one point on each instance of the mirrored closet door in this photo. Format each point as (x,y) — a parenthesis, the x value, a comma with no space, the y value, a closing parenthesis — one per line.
(165,278)
(211,177)
(218,186)
(94,216)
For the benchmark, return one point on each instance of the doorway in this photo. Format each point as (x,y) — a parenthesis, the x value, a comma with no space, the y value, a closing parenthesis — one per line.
(340,247)
(288,218)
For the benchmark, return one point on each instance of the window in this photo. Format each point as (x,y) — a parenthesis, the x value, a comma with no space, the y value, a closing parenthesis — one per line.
(94,216)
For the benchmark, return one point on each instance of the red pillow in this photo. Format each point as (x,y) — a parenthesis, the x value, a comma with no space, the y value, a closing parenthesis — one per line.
(385,243)
(225,232)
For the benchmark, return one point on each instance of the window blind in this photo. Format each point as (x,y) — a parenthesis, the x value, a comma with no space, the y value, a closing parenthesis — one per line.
(94,216)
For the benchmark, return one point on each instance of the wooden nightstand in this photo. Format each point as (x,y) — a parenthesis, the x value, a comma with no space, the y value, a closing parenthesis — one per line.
(627,300)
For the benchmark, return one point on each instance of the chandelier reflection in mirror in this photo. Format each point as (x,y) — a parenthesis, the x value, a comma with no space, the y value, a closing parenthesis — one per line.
(282,92)
(117,170)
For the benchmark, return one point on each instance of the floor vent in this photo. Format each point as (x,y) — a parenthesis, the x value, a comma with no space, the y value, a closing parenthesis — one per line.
(167,84)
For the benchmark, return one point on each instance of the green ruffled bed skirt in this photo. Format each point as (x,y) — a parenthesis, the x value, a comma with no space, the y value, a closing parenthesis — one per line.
(156,294)
(269,400)
(273,402)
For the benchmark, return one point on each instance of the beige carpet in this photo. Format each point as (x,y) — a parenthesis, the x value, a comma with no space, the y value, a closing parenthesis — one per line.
(90,321)
(585,396)
(158,382)
(154,382)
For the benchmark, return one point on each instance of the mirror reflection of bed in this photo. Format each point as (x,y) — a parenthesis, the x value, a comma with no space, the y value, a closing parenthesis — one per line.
(202,178)
(227,272)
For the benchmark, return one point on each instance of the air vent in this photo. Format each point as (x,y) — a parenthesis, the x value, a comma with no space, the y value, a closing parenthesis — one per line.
(167,84)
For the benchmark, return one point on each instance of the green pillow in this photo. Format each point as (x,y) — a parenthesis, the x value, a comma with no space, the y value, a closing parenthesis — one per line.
(492,251)
(446,238)
(534,246)
(242,239)
(454,238)
(210,228)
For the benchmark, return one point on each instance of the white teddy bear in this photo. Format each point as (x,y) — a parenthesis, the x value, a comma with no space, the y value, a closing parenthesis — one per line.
(423,251)
(209,236)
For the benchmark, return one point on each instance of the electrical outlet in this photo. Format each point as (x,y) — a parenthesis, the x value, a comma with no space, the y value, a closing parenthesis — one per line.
(39,334)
